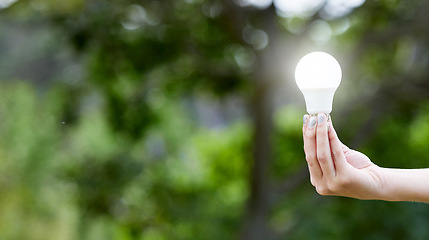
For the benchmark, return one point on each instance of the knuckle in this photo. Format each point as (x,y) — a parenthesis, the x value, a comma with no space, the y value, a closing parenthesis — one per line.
(323,190)
(337,152)
(321,130)
(309,158)
(322,156)
(334,187)
(331,187)
(343,183)
(310,165)
(312,181)
(306,146)
(339,185)
(309,133)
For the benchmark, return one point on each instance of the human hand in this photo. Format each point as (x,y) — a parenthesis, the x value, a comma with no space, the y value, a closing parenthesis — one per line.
(334,168)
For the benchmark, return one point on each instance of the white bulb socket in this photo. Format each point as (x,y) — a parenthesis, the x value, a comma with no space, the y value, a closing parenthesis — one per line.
(318,76)
(318,100)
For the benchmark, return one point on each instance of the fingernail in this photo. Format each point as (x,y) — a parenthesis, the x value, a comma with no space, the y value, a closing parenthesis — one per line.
(304,119)
(312,122)
(328,125)
(320,118)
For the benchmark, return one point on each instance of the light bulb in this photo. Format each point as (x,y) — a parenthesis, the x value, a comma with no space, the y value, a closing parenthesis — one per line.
(318,76)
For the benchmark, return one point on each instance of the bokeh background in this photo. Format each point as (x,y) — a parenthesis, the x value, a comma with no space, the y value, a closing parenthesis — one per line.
(180,119)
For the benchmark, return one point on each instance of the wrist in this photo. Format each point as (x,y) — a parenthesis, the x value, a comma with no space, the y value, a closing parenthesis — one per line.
(379,188)
(383,190)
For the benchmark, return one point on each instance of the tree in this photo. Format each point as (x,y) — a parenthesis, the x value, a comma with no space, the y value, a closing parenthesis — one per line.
(148,64)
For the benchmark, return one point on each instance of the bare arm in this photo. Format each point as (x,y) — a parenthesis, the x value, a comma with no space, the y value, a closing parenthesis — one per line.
(406,184)
(337,170)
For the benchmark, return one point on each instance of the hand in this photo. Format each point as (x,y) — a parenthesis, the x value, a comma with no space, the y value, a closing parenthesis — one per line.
(334,168)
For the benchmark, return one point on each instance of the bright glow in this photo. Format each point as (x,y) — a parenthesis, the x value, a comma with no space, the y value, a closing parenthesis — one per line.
(340,26)
(340,8)
(320,31)
(318,75)
(6,3)
(135,17)
(300,8)
(261,4)
(318,70)
(296,25)
(212,10)
(307,8)
(355,3)
(258,38)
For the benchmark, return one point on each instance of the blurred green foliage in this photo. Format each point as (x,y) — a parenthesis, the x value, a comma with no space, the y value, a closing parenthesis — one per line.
(134,119)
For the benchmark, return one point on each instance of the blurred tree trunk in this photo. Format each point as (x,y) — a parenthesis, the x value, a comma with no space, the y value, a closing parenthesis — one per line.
(255,223)
(258,205)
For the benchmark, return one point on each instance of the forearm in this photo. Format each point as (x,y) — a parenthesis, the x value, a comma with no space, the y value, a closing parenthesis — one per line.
(337,170)
(405,184)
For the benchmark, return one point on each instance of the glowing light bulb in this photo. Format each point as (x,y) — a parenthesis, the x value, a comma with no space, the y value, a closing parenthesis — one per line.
(318,76)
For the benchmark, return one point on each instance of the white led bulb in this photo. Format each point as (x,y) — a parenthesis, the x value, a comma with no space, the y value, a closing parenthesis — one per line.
(318,76)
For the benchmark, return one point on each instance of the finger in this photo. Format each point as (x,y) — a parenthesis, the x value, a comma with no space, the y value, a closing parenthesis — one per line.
(310,149)
(323,147)
(305,120)
(337,149)
(330,124)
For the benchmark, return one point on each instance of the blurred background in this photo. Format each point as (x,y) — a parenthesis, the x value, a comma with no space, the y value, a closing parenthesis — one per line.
(180,119)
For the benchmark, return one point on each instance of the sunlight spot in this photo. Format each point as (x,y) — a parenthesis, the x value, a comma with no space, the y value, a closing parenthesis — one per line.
(243,57)
(257,38)
(135,17)
(295,25)
(261,4)
(6,3)
(300,8)
(340,8)
(340,26)
(212,10)
(193,1)
(38,5)
(320,31)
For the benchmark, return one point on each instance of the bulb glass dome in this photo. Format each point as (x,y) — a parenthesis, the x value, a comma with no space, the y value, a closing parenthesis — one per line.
(318,75)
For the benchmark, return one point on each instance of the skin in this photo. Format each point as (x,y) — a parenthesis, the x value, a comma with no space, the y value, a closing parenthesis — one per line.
(337,170)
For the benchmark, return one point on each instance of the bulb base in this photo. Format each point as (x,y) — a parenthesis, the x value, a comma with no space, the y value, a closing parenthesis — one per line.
(319,100)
